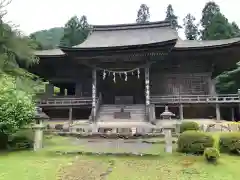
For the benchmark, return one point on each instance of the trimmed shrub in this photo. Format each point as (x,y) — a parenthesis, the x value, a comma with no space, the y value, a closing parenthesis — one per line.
(23,139)
(211,154)
(59,127)
(188,126)
(230,142)
(194,142)
(3,141)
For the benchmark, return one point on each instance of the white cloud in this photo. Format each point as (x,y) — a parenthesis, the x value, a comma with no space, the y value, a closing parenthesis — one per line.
(33,15)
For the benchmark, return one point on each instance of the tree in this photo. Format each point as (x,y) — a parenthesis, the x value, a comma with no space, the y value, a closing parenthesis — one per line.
(219,28)
(170,16)
(228,82)
(235,30)
(143,14)
(15,49)
(35,43)
(208,13)
(75,31)
(17,108)
(50,38)
(190,28)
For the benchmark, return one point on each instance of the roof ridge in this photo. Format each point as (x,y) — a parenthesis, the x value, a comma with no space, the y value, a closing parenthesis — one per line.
(131,26)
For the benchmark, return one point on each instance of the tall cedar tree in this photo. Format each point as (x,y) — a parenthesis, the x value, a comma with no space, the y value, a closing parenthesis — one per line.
(219,28)
(215,27)
(143,14)
(190,28)
(236,30)
(170,16)
(75,31)
(208,13)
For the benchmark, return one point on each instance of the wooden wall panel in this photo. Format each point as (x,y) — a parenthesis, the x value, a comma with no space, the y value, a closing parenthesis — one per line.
(175,84)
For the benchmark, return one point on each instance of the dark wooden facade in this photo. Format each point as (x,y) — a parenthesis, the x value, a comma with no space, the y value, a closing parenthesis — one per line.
(172,71)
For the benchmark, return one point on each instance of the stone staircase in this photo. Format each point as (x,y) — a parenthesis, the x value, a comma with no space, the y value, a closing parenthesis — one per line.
(106,113)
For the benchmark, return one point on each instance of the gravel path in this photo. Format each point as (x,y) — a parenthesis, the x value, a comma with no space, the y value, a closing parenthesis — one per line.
(102,145)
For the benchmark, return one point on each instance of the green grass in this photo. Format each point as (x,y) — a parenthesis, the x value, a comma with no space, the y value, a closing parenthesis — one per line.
(30,165)
(43,165)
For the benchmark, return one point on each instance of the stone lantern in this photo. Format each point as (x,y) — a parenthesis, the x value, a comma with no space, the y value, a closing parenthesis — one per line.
(167,115)
(167,129)
(40,116)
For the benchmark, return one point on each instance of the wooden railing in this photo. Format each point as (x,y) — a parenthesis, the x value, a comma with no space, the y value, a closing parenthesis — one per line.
(64,101)
(226,98)
(155,99)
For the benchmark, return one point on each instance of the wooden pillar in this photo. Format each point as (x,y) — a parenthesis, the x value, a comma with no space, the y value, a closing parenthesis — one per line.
(78,89)
(62,91)
(49,89)
(239,103)
(181,111)
(70,115)
(147,92)
(94,89)
(232,114)
(218,114)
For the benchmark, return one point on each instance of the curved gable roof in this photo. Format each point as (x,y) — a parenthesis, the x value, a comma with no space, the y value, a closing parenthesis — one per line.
(129,35)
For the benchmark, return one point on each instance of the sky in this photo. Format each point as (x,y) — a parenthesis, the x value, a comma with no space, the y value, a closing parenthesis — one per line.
(34,15)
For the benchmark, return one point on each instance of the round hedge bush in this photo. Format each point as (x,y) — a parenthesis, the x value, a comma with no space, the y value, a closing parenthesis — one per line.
(23,139)
(211,154)
(230,142)
(194,142)
(59,127)
(188,126)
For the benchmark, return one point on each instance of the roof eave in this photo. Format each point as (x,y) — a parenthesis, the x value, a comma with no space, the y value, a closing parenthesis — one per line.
(66,49)
(206,47)
(50,56)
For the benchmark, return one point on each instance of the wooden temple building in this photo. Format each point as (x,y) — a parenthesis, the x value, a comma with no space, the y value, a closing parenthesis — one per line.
(132,71)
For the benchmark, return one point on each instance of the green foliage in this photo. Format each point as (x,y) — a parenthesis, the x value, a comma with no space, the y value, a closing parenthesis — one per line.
(230,142)
(186,126)
(190,28)
(48,39)
(16,50)
(170,16)
(3,140)
(215,27)
(17,107)
(219,28)
(227,82)
(208,13)
(75,31)
(23,139)
(59,127)
(143,14)
(194,142)
(235,30)
(211,154)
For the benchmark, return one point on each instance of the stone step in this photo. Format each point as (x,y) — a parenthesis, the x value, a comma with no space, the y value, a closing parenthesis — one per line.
(118,109)
(106,112)
(133,111)
(112,115)
(130,108)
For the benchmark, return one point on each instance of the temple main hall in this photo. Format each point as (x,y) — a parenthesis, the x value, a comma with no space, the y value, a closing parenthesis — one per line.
(130,72)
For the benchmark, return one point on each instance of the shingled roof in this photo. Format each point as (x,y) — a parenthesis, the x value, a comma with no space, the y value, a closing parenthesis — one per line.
(104,37)
(50,52)
(194,44)
(129,35)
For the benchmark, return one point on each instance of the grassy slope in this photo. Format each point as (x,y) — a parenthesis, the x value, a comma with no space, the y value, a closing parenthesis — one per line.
(29,165)
(43,166)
